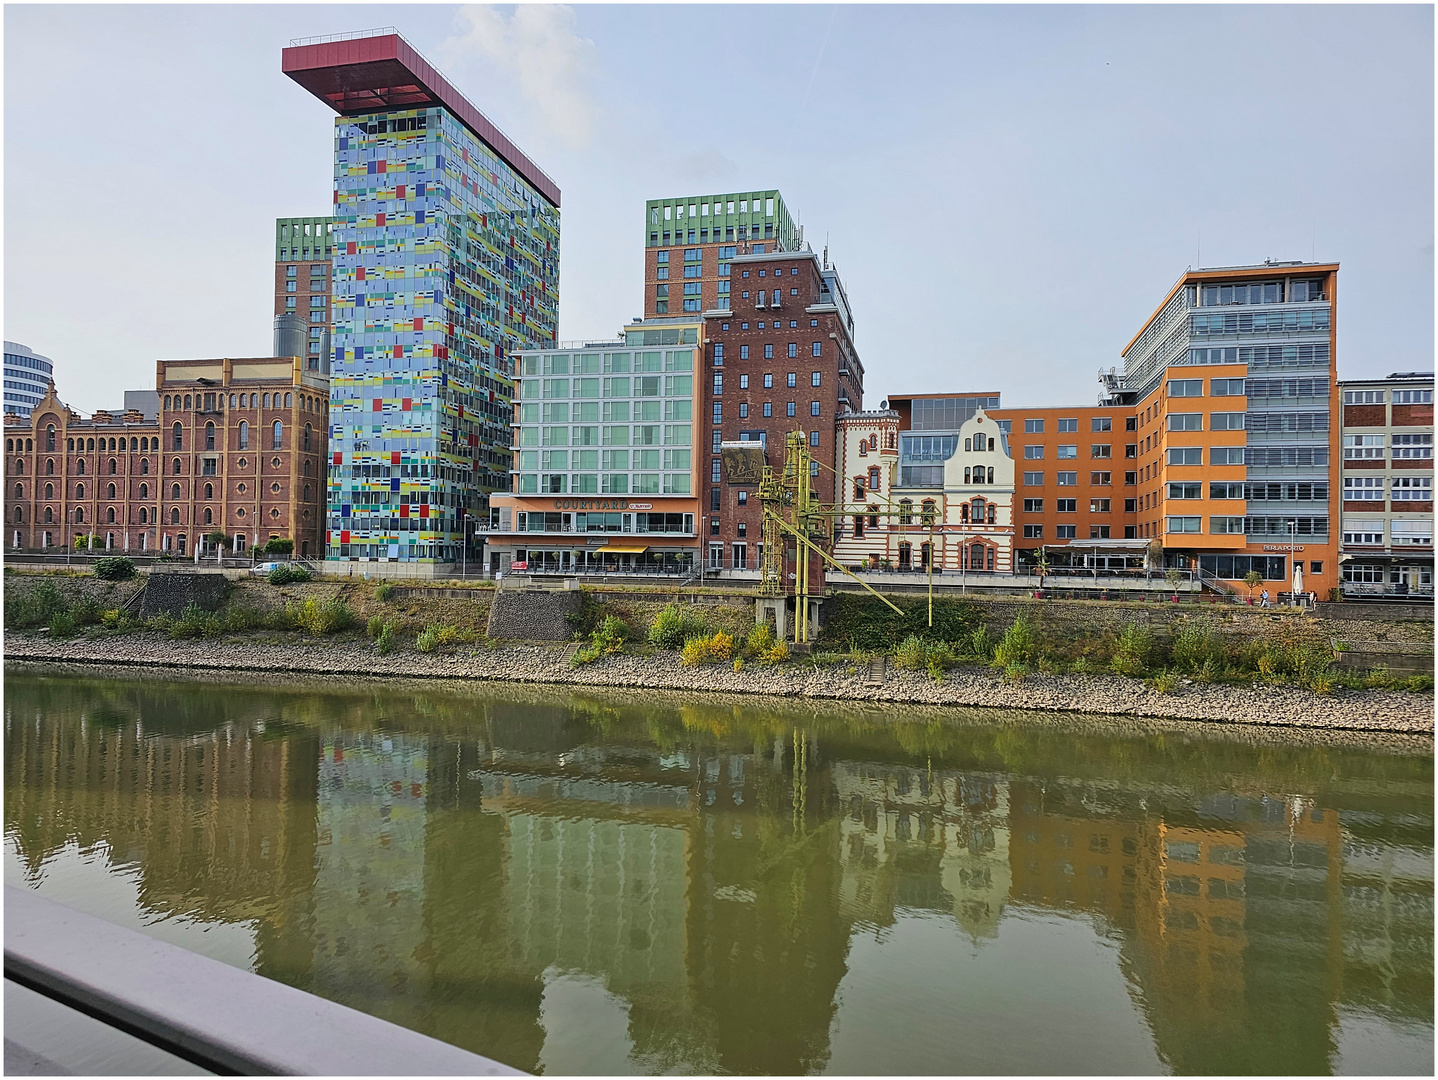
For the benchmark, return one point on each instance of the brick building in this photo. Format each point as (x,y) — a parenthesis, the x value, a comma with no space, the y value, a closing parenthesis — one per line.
(303,250)
(779,358)
(1387,535)
(690,243)
(239,447)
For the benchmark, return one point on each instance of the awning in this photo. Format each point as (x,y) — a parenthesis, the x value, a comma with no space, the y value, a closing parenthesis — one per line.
(621,549)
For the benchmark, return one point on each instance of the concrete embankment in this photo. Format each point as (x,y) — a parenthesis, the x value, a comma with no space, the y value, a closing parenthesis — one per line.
(1366,710)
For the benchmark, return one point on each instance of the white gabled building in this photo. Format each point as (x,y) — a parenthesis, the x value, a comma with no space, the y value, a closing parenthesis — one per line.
(969,512)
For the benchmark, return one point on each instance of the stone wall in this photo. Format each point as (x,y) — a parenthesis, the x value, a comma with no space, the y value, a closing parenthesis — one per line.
(534,614)
(170,594)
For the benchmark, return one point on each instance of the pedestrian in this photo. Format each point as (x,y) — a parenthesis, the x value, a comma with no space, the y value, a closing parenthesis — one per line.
(1264,602)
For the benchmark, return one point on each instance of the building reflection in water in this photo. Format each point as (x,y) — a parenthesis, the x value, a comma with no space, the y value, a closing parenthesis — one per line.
(449,860)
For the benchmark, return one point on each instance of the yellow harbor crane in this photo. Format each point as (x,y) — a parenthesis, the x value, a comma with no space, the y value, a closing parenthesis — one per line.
(792,511)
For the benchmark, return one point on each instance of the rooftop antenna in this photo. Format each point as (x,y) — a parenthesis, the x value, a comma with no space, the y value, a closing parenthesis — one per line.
(826,251)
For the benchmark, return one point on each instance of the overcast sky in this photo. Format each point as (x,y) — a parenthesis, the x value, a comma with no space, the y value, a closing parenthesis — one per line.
(1008,192)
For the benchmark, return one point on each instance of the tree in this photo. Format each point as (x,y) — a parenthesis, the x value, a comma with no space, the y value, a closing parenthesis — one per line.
(1252,579)
(276,546)
(218,539)
(1173,577)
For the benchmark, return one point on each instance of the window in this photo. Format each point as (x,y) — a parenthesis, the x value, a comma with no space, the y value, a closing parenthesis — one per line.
(1359,531)
(1068,451)
(1409,532)
(1033,479)
(714,471)
(1412,447)
(1101,423)
(1099,532)
(813,408)
(1100,450)
(718,383)
(1410,489)
(790,409)
(1033,506)
(1413,397)
(1033,427)
(718,411)
(1185,421)
(1033,453)
(1066,532)
(1228,525)
(1185,491)
(1364,397)
(1225,421)
(1070,424)
(1185,388)
(1066,506)
(1363,446)
(1068,479)
(1225,388)
(743,352)
(1222,455)
(814,437)
(1183,524)
(743,409)
(277,439)
(768,381)
(1101,479)
(768,408)
(792,380)
(1100,506)
(1186,455)
(179,434)
(1033,532)
(817,349)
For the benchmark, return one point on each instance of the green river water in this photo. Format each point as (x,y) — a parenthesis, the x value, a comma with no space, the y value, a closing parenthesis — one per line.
(639,883)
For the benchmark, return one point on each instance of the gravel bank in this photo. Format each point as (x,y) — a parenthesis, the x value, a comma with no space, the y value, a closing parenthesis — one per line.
(1368,710)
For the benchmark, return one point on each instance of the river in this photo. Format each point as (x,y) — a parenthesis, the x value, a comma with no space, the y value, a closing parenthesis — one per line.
(583,882)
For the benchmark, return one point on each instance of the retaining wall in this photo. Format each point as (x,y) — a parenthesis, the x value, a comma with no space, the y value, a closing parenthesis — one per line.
(534,614)
(170,594)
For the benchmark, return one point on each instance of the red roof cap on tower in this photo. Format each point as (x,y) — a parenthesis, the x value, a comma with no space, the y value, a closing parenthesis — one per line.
(376,70)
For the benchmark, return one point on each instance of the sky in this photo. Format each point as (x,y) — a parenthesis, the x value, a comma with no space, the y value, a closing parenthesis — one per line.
(1007,191)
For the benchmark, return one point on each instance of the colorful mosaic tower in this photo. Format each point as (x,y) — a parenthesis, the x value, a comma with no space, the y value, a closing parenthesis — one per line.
(446,262)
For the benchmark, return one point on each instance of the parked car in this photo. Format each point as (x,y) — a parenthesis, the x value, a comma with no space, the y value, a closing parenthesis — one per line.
(265,567)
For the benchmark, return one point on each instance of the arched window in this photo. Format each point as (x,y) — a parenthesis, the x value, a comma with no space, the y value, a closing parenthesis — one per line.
(49,491)
(49,466)
(209,434)
(209,491)
(978,511)
(874,478)
(873,442)
(873,516)
(267,401)
(9,446)
(79,466)
(112,466)
(29,445)
(244,401)
(177,467)
(244,434)
(906,512)
(134,445)
(175,516)
(79,491)
(289,401)
(175,492)
(863,447)
(209,517)
(19,491)
(144,491)
(144,516)
(307,493)
(145,444)
(993,514)
(967,447)
(167,401)
(232,401)
(20,466)
(19,513)
(110,516)
(79,515)
(906,556)
(144,466)
(279,436)
(90,445)
(69,446)
(187,402)
(179,436)
(111,490)
(307,467)
(50,438)
(964,513)
(307,436)
(49,516)
(858,489)
(928,512)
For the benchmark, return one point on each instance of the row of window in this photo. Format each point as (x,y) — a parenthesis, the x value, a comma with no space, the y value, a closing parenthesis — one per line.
(1070,532)
(791,380)
(1380,397)
(209,402)
(175,491)
(147,516)
(1102,478)
(614,386)
(1250,526)
(701,210)
(1404,489)
(1035,452)
(815,349)
(1363,531)
(610,363)
(609,412)
(1096,423)
(604,484)
(1405,447)
(621,435)
(766,409)
(1216,388)
(1272,322)
(616,459)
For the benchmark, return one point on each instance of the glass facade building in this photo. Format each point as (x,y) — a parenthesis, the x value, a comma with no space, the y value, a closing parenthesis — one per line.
(446,262)
(27,376)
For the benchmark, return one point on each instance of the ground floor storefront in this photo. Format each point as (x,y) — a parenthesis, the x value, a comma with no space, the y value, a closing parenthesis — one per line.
(1387,575)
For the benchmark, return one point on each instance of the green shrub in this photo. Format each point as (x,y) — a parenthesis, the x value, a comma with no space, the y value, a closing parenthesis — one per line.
(375,627)
(195,621)
(240,619)
(427,640)
(779,654)
(1418,683)
(673,626)
(853,620)
(1322,683)
(384,643)
(738,663)
(277,546)
(288,573)
(1135,643)
(1380,678)
(114,568)
(911,655)
(695,652)
(1194,646)
(34,606)
(1165,682)
(1017,645)
(939,660)
(981,645)
(383,592)
(1015,673)
(322,616)
(1084,666)
(611,634)
(62,625)
(585,654)
(87,611)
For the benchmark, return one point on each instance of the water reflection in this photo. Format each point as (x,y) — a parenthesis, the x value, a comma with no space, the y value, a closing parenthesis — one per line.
(586,883)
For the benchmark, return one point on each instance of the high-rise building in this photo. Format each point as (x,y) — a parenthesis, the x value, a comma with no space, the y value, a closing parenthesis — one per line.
(446,263)
(1387,546)
(779,357)
(606,474)
(1229,384)
(27,378)
(689,243)
(304,250)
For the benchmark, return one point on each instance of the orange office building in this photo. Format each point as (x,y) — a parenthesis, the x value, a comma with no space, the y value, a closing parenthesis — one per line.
(1217,440)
